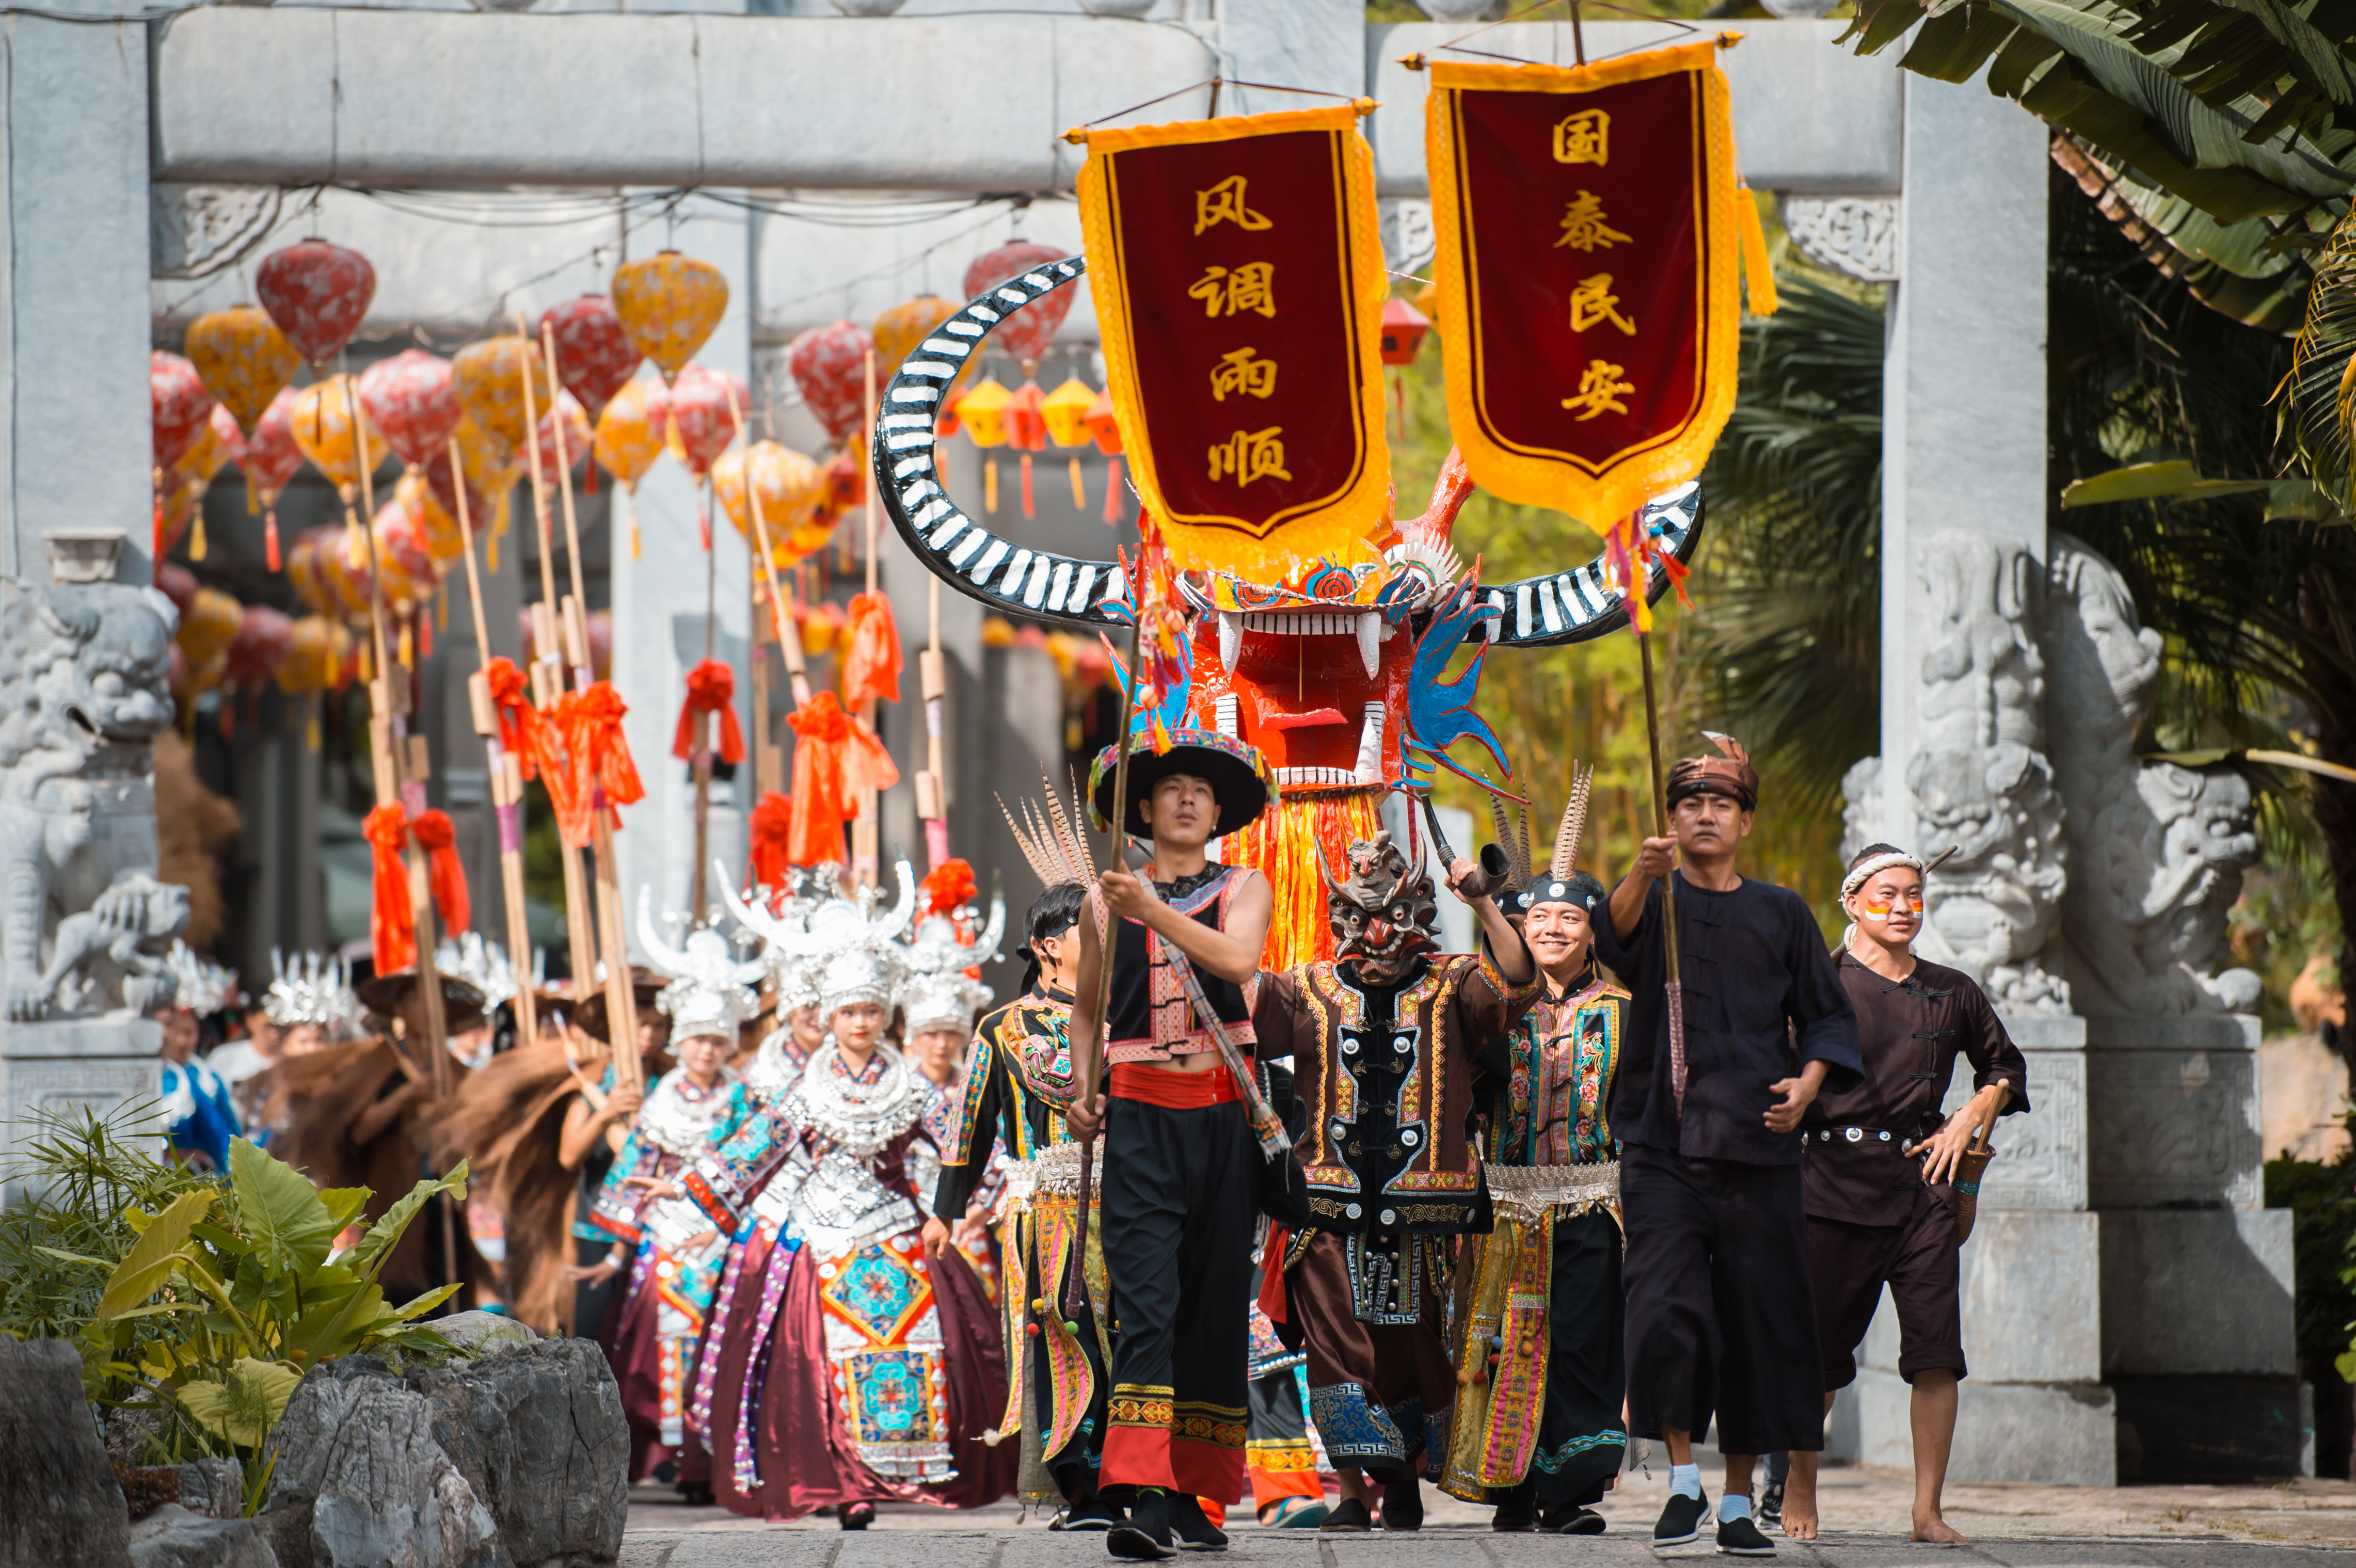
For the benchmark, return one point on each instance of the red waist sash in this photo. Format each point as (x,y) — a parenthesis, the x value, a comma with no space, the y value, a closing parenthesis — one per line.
(1173,1090)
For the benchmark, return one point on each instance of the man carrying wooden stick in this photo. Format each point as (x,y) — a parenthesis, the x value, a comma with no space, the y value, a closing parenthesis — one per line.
(1186,1130)
(1721,1316)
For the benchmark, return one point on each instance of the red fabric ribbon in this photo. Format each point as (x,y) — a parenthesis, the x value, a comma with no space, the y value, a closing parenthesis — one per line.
(772,830)
(871,667)
(591,724)
(711,688)
(834,760)
(445,873)
(392,925)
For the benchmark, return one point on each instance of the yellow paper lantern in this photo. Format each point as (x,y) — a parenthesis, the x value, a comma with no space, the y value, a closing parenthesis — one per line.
(669,304)
(898,330)
(1065,410)
(323,429)
(444,539)
(492,468)
(632,431)
(242,359)
(983,411)
(209,627)
(316,658)
(488,378)
(792,487)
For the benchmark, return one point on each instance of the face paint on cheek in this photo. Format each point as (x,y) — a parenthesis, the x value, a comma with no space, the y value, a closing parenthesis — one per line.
(1877,913)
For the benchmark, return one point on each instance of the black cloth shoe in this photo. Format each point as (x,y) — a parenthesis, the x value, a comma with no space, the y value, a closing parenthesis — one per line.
(1402,1504)
(857,1516)
(1740,1538)
(1090,1513)
(1349,1518)
(1680,1520)
(1771,1503)
(1516,1511)
(1145,1536)
(1193,1527)
(1570,1519)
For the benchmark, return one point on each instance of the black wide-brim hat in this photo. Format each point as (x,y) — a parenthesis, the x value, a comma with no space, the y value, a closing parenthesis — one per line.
(396,996)
(1238,773)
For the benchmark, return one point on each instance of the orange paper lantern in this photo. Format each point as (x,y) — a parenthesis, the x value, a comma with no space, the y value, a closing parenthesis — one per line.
(898,330)
(632,430)
(669,304)
(322,424)
(244,360)
(488,380)
(791,488)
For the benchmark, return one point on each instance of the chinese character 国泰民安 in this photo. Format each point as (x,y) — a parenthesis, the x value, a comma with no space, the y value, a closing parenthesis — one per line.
(1583,225)
(1243,371)
(1251,454)
(1600,391)
(1581,137)
(1592,302)
(1224,203)
(1226,291)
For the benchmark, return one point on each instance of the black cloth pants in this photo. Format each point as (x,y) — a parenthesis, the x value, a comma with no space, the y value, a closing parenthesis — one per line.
(1721,1317)
(1920,1262)
(1579,1439)
(1177,1216)
(591,1299)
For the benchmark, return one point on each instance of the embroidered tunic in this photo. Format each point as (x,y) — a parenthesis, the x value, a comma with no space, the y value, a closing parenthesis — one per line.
(1150,1016)
(1016,1086)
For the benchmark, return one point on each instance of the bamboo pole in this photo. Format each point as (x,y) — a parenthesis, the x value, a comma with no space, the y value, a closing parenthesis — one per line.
(614,943)
(506,776)
(865,845)
(932,797)
(1668,883)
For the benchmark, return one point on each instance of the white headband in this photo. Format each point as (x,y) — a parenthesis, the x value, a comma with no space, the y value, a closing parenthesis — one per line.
(1865,868)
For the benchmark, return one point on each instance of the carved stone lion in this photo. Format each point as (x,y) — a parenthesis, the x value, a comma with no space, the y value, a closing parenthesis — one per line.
(83,692)
(2158,850)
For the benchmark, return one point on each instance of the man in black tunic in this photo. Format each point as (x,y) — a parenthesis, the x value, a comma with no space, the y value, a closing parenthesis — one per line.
(1880,1160)
(1721,1318)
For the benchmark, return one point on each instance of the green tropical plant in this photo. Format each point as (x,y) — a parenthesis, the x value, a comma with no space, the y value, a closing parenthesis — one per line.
(203,1310)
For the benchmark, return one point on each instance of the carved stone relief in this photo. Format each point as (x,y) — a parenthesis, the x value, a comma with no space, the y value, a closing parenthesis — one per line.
(1856,235)
(1409,242)
(2156,851)
(195,230)
(2040,1153)
(1979,775)
(2175,1129)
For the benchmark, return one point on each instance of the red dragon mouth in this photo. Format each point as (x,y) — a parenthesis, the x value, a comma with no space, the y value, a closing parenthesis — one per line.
(1309,689)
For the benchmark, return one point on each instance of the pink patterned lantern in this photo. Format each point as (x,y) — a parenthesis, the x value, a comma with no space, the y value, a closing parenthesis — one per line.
(830,365)
(179,403)
(271,462)
(410,399)
(701,416)
(578,437)
(1025,333)
(259,646)
(317,293)
(594,357)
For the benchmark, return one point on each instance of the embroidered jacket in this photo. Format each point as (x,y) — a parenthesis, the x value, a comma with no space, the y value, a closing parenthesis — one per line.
(1150,1016)
(1553,1104)
(1016,1086)
(1388,1077)
(737,1171)
(673,1127)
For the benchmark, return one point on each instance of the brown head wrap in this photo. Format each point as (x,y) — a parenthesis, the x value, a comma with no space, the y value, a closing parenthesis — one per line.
(1728,774)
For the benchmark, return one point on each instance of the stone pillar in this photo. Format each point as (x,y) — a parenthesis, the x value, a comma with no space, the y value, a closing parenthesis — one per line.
(659,612)
(74,449)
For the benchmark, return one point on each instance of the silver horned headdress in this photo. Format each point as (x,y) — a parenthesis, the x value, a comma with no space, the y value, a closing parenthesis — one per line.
(710,992)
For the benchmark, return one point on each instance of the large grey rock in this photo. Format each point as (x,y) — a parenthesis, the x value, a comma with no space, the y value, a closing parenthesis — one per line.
(475,1334)
(60,1507)
(213,1488)
(358,1453)
(173,1537)
(539,1434)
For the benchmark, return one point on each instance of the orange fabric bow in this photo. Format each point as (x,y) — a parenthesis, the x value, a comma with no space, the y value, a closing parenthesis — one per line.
(833,762)
(872,668)
(772,830)
(711,688)
(445,873)
(603,772)
(392,925)
(526,734)
(949,888)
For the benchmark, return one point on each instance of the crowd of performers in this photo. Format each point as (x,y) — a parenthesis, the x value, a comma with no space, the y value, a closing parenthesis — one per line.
(1641,1164)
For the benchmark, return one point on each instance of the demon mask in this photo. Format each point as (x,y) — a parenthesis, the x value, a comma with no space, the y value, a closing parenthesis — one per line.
(1383,914)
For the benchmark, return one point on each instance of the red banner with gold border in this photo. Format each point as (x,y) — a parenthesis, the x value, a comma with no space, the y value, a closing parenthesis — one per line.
(1589,222)
(1238,267)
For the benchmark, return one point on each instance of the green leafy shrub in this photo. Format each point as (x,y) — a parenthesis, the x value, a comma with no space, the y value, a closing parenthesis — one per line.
(2322,1202)
(197,1302)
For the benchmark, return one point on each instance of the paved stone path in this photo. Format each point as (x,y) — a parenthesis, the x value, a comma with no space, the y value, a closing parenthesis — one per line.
(2295,1524)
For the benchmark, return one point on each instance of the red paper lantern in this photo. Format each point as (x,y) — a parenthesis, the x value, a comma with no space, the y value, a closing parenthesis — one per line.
(1403,330)
(846,482)
(178,403)
(177,583)
(700,417)
(830,365)
(317,293)
(1027,332)
(594,355)
(410,399)
(271,460)
(261,645)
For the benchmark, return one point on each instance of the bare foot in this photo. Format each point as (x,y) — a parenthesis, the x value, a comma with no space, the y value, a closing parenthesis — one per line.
(1799,1507)
(1933,1529)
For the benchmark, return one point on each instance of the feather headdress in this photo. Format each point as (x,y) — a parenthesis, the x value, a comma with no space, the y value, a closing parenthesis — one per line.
(1050,838)
(1574,823)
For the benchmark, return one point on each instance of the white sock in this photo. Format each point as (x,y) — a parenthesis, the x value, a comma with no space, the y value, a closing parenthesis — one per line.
(1685,1480)
(1733,1506)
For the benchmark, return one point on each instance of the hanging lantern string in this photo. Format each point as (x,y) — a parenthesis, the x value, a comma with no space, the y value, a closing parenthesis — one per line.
(1727,39)
(1079,134)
